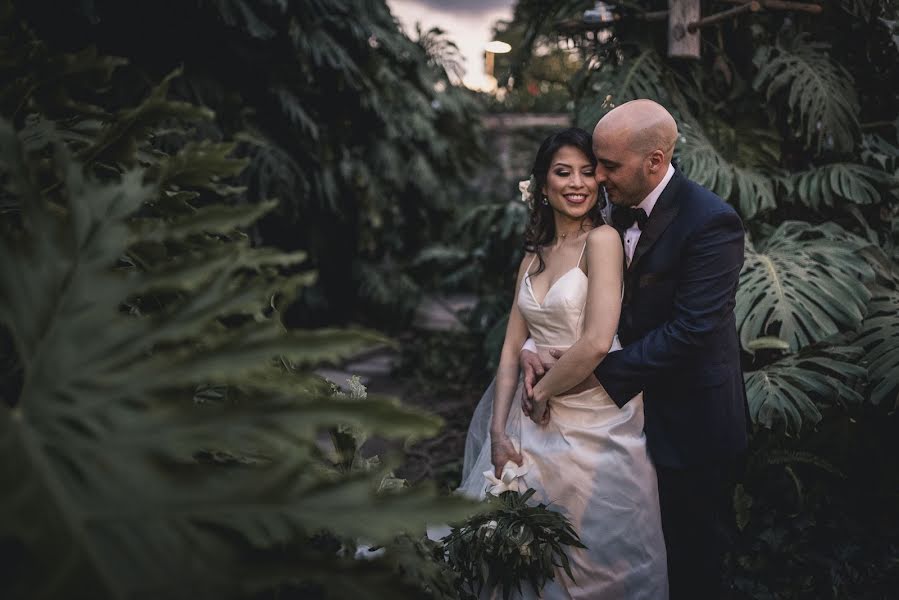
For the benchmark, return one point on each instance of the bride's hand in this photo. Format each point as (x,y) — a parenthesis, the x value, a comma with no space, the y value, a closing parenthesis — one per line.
(589,383)
(502,451)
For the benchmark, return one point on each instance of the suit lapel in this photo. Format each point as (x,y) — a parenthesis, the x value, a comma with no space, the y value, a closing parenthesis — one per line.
(662,214)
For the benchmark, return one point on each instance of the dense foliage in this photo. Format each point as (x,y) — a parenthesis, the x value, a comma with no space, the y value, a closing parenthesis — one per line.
(162,431)
(353,127)
(786,116)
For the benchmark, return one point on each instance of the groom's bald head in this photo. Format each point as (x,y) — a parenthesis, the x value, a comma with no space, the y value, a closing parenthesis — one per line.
(633,144)
(642,125)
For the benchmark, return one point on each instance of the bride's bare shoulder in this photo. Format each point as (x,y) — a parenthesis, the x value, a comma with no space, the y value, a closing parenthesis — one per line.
(603,236)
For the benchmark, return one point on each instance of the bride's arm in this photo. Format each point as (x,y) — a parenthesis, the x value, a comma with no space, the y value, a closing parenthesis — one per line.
(507,373)
(605,257)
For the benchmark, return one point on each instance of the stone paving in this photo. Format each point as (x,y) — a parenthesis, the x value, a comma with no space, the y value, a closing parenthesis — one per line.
(438,458)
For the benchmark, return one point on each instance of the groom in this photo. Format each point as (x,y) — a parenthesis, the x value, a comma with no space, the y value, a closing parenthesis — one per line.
(684,250)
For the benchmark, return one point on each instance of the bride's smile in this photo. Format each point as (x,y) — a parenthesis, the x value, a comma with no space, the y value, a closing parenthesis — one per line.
(570,187)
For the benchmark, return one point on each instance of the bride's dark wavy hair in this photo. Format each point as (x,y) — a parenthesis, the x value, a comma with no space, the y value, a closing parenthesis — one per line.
(541,228)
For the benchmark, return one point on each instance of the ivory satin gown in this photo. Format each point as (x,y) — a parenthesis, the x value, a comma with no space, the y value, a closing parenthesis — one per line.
(590,463)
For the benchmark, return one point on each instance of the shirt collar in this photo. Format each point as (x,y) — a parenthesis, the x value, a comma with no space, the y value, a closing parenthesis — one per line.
(650,201)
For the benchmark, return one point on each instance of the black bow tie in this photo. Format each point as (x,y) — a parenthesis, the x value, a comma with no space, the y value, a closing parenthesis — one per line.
(624,218)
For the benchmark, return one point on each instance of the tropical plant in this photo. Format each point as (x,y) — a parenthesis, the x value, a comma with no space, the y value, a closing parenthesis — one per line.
(788,121)
(352,126)
(160,426)
(442,52)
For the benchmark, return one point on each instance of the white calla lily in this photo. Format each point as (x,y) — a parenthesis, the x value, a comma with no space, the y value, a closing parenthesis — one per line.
(509,479)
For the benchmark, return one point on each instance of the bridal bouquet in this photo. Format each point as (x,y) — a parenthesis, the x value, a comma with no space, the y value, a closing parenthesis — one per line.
(511,543)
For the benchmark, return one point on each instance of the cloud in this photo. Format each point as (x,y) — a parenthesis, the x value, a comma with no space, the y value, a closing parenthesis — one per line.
(465,6)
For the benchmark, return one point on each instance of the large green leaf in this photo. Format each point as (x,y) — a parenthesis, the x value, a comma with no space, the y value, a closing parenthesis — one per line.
(879,336)
(119,140)
(785,394)
(826,185)
(804,284)
(107,498)
(819,92)
(752,190)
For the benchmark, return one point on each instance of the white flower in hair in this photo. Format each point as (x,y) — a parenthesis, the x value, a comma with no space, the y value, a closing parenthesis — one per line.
(527,188)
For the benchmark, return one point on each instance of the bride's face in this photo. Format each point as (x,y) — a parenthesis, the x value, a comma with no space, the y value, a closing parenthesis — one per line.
(571,187)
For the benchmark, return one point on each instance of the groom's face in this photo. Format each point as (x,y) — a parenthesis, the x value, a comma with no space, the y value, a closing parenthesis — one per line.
(619,169)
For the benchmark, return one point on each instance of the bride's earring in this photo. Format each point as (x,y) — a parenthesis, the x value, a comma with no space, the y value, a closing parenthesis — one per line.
(545,201)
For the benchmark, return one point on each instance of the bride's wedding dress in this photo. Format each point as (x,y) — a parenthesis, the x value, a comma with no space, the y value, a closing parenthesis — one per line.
(590,463)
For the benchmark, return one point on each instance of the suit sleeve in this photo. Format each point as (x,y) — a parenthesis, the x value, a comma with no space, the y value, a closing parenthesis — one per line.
(703,303)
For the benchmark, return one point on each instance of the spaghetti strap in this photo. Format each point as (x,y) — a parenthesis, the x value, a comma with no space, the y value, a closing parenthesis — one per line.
(581,257)
(527,272)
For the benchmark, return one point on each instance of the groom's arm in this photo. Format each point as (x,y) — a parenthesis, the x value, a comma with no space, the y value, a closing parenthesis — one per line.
(703,302)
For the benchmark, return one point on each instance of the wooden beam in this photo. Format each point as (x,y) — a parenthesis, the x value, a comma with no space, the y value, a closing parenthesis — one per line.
(753,6)
(815,9)
(683,43)
(658,15)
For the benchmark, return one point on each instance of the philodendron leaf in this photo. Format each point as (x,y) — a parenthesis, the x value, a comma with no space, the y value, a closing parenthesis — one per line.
(768,343)
(803,285)
(750,189)
(119,141)
(785,394)
(106,493)
(828,185)
(819,93)
(879,336)
(192,166)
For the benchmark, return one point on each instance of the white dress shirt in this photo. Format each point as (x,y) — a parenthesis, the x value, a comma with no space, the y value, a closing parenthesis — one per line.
(632,235)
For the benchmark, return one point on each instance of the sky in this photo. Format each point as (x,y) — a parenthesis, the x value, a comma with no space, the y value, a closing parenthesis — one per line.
(467,22)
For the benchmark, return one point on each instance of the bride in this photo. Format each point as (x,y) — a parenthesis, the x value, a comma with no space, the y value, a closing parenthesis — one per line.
(583,455)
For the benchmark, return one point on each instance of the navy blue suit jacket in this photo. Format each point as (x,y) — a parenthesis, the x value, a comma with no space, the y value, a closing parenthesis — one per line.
(678,330)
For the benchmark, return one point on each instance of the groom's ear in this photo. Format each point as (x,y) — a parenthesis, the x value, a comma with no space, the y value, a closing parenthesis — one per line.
(656,160)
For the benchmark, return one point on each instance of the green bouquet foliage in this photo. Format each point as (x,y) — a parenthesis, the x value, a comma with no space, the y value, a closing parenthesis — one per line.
(511,543)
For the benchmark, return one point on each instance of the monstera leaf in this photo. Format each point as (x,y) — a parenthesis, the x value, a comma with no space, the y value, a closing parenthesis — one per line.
(640,76)
(879,336)
(750,189)
(106,497)
(785,394)
(827,185)
(803,285)
(819,93)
